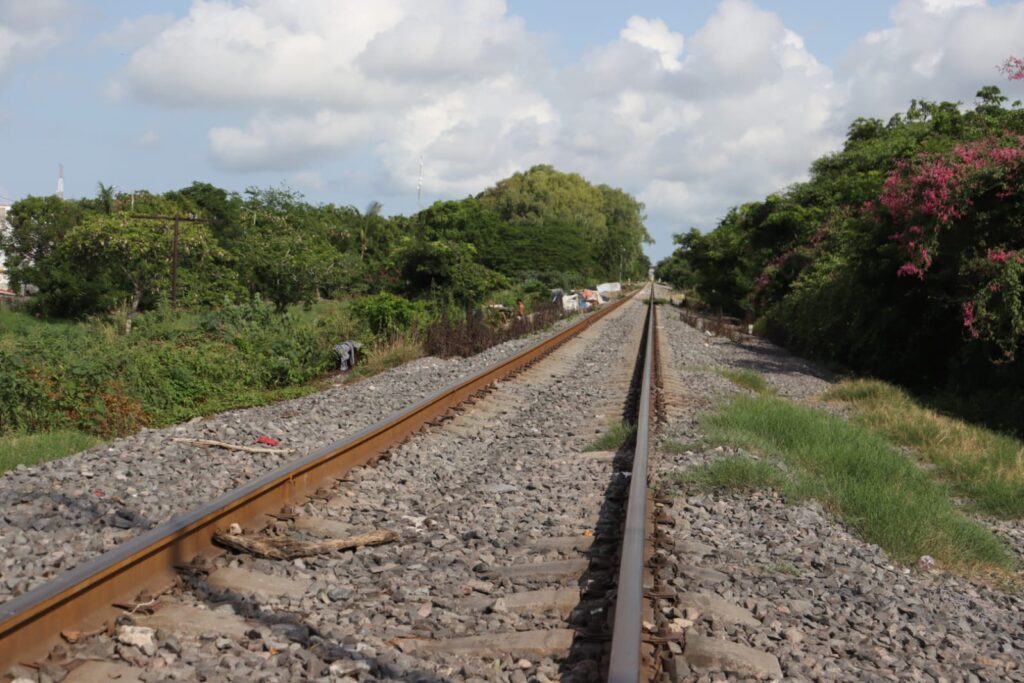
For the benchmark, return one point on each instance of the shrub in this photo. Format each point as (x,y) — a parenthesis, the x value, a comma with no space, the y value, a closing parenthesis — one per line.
(386,314)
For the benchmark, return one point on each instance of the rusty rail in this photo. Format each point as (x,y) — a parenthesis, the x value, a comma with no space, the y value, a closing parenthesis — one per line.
(83,599)
(625,664)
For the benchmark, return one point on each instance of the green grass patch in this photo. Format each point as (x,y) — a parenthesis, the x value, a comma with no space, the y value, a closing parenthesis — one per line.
(733,472)
(748,379)
(378,359)
(32,449)
(857,475)
(618,436)
(677,447)
(976,463)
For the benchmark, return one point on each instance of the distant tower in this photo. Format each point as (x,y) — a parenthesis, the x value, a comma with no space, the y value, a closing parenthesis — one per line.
(60,181)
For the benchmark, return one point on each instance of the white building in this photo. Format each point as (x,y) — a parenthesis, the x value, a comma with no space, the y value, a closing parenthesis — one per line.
(4,226)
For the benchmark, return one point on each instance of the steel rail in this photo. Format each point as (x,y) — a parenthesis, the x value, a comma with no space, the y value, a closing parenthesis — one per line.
(83,599)
(625,663)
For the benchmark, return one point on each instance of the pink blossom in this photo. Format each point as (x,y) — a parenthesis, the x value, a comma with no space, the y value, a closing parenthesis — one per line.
(969,318)
(910,269)
(999,255)
(1013,67)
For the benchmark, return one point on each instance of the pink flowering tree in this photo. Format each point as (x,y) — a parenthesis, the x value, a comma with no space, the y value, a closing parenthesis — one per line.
(965,202)
(1013,68)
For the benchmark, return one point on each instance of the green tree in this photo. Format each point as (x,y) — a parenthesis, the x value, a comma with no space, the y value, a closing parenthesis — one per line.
(620,255)
(105,197)
(136,255)
(448,272)
(38,224)
(608,221)
(371,217)
(285,253)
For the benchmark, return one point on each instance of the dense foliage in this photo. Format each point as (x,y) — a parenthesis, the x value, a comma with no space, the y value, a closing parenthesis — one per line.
(265,284)
(173,366)
(117,251)
(901,256)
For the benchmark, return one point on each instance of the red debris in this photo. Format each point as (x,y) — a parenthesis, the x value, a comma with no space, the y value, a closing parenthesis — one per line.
(268,440)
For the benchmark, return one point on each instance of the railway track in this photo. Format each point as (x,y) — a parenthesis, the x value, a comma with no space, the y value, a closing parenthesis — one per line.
(511,555)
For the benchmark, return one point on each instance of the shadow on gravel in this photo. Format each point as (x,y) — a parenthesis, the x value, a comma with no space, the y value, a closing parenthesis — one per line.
(592,620)
(290,627)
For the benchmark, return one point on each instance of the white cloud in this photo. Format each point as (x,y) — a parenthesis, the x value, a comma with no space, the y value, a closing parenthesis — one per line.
(655,35)
(134,33)
(30,14)
(943,6)
(691,125)
(149,139)
(28,28)
(934,50)
(282,142)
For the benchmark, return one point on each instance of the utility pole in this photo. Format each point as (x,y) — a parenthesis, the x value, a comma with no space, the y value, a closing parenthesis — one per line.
(176,221)
(174,264)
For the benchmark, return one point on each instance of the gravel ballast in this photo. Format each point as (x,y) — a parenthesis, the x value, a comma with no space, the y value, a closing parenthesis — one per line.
(753,586)
(827,604)
(473,501)
(59,514)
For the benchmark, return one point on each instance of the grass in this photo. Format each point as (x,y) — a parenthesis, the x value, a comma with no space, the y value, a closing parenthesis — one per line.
(31,449)
(733,472)
(677,447)
(384,357)
(854,473)
(748,379)
(617,436)
(976,463)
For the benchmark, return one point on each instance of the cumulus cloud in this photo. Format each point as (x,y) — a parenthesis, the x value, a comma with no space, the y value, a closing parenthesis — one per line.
(29,14)
(933,49)
(287,141)
(134,33)
(28,28)
(691,124)
(655,35)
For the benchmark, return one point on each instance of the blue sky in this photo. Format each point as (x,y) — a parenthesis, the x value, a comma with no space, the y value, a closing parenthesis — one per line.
(692,106)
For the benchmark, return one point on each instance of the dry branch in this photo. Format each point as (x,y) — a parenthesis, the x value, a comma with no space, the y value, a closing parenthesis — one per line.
(233,446)
(289,548)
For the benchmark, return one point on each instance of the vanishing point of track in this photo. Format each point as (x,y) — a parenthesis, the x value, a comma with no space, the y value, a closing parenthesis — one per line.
(87,597)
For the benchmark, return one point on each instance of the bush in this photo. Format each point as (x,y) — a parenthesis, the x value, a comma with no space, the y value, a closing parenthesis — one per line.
(447,337)
(386,314)
(175,366)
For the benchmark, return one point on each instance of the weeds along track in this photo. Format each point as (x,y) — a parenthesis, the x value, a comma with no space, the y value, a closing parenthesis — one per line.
(499,554)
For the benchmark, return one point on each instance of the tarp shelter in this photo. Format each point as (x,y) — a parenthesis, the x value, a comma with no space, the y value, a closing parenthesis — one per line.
(609,288)
(570,303)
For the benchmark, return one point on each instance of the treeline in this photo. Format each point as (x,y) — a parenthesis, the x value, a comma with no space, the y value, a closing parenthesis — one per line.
(246,267)
(902,256)
(532,231)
